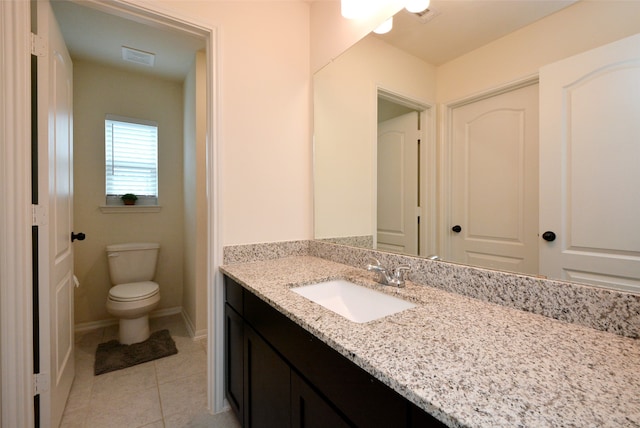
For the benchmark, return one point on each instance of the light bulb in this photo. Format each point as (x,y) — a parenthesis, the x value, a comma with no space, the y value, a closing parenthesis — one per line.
(385,27)
(353,9)
(417,6)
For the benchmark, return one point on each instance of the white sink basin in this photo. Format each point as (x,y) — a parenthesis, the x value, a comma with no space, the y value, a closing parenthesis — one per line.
(354,302)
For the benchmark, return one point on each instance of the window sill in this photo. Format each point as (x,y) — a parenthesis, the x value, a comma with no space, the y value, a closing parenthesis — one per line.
(129,209)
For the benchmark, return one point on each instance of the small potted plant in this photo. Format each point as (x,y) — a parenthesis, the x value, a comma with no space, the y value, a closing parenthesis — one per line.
(129,198)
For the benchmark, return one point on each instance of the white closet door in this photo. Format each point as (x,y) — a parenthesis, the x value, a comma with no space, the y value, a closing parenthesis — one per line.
(55,169)
(493,217)
(590,179)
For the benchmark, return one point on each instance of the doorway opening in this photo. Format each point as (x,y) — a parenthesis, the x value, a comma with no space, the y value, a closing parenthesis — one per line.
(208,282)
(405,175)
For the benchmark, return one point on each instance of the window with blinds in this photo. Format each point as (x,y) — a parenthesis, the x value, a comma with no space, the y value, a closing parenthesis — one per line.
(131,154)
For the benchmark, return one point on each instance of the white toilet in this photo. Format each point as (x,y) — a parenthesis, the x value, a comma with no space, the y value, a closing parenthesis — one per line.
(131,268)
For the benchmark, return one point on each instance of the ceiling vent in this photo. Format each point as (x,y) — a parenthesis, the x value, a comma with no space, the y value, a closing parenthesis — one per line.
(138,56)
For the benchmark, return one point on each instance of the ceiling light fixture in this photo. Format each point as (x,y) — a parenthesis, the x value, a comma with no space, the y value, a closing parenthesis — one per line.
(417,6)
(354,9)
(385,27)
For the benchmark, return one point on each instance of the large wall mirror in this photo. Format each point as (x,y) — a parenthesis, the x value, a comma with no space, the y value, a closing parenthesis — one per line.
(489,133)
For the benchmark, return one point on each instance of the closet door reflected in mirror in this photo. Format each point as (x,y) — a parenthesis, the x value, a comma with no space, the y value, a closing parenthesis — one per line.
(590,153)
(494,182)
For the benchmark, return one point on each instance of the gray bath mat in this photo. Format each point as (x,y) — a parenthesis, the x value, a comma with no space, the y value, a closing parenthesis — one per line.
(112,355)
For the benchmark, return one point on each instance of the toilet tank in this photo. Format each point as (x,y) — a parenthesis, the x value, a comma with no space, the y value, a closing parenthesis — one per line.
(132,262)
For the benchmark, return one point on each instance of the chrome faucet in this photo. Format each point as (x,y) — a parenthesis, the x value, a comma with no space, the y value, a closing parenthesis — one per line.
(396,278)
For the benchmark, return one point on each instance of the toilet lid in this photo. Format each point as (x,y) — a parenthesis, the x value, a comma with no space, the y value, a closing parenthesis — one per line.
(133,291)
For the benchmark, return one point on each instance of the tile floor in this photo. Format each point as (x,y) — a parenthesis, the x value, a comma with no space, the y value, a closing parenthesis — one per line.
(169,392)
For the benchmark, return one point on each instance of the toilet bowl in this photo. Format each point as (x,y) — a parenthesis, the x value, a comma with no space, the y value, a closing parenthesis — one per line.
(134,295)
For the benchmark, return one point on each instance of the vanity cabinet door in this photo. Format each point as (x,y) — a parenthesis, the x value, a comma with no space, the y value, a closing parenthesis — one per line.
(267,384)
(234,360)
(310,410)
(421,419)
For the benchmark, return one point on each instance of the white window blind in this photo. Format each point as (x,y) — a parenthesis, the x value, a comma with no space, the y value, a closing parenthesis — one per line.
(131,153)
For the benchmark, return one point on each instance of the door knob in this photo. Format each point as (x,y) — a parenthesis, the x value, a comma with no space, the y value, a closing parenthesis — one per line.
(79,236)
(549,236)
(456,228)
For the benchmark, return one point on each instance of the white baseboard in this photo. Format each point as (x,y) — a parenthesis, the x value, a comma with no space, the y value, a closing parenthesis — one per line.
(195,334)
(166,312)
(188,323)
(92,325)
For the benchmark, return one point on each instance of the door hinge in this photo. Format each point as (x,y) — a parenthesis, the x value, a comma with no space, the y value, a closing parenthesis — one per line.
(39,215)
(38,45)
(40,383)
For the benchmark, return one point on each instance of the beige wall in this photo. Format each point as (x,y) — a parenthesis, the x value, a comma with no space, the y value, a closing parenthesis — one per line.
(345,130)
(264,119)
(99,90)
(582,26)
(194,294)
(265,103)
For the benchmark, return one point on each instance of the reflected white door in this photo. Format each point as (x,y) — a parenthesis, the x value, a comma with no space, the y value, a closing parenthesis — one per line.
(493,217)
(55,184)
(590,152)
(398,166)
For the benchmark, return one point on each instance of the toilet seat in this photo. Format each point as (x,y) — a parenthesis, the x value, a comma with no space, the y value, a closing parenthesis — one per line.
(133,291)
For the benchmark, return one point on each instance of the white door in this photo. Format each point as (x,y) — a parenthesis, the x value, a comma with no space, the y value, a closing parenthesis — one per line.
(493,217)
(590,153)
(398,166)
(55,184)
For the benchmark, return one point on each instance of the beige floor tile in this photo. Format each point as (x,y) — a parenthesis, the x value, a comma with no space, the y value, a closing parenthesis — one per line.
(86,344)
(202,420)
(110,333)
(130,410)
(131,397)
(89,339)
(74,418)
(186,396)
(80,394)
(178,420)
(183,364)
(84,362)
(156,424)
(204,344)
(131,379)
(173,323)
(186,344)
(83,381)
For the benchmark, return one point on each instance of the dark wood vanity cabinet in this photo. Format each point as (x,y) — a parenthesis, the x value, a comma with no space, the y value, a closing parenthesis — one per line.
(267,385)
(279,375)
(234,360)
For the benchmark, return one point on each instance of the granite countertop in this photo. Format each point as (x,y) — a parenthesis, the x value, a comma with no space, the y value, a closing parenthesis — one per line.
(466,362)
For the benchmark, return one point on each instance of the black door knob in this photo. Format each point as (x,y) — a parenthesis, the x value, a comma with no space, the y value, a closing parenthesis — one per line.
(456,228)
(79,236)
(549,236)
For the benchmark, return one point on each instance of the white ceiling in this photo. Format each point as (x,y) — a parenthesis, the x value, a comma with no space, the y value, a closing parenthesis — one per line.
(456,27)
(98,36)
